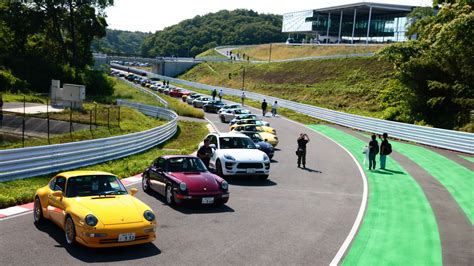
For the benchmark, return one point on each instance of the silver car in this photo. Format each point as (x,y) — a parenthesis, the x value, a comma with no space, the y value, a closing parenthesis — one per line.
(230,114)
(199,102)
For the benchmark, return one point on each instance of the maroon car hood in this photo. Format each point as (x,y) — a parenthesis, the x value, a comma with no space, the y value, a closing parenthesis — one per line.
(198,182)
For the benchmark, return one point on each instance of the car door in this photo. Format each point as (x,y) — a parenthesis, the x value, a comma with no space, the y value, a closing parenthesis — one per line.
(156,176)
(55,206)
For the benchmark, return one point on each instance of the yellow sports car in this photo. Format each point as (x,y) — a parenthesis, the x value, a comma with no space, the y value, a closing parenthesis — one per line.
(248,122)
(94,209)
(270,138)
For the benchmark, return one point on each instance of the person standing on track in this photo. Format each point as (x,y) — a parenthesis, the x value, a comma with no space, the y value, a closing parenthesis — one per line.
(264,107)
(301,151)
(242,98)
(205,153)
(214,94)
(385,149)
(373,150)
(274,108)
(221,93)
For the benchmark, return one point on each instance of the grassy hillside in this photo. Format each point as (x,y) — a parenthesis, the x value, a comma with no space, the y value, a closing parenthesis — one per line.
(210,53)
(353,85)
(283,51)
(119,41)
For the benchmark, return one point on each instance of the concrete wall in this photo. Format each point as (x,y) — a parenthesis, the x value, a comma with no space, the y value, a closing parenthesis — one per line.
(171,68)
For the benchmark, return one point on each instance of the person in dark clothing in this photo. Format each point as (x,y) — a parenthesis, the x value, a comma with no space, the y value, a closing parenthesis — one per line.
(383,150)
(214,94)
(373,150)
(264,107)
(205,153)
(301,151)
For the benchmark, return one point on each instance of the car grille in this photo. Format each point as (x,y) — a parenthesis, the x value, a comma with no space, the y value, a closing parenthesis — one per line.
(249,165)
(115,240)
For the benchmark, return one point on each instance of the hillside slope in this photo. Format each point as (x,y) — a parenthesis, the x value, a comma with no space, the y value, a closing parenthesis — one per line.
(119,41)
(354,85)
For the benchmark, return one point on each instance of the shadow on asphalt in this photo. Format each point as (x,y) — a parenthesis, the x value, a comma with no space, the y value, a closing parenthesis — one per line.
(250,181)
(311,170)
(388,172)
(192,208)
(90,255)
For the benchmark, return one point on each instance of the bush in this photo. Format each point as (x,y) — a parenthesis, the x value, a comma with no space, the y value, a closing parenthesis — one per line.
(97,83)
(8,82)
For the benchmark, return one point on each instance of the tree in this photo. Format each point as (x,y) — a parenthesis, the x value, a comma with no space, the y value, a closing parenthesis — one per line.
(437,67)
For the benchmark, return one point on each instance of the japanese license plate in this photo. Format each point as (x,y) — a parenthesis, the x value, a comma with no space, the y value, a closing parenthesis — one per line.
(126,237)
(250,171)
(207,200)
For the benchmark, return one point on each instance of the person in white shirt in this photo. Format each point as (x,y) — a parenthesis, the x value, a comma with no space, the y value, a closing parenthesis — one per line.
(242,98)
(274,108)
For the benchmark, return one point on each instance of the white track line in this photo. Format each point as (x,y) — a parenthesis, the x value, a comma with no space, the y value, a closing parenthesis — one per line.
(212,124)
(355,227)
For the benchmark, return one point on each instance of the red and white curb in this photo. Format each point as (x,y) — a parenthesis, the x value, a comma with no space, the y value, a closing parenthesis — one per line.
(28,207)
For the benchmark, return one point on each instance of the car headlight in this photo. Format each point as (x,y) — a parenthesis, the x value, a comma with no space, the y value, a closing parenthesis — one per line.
(224,185)
(149,215)
(265,157)
(229,157)
(91,220)
(182,186)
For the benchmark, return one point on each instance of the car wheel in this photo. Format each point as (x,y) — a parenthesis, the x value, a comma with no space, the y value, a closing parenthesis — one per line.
(205,109)
(38,212)
(169,195)
(70,231)
(219,170)
(146,183)
(222,119)
(194,105)
(263,177)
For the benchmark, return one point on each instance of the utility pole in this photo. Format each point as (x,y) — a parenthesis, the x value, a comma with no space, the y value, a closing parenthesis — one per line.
(243,79)
(270,54)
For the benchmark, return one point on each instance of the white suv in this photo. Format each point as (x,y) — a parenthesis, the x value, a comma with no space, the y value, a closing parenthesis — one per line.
(236,154)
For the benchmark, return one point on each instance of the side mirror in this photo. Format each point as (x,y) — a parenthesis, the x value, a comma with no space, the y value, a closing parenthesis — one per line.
(133,191)
(257,145)
(58,194)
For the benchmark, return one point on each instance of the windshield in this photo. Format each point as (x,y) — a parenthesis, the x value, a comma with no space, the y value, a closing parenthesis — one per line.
(242,111)
(236,143)
(185,164)
(94,185)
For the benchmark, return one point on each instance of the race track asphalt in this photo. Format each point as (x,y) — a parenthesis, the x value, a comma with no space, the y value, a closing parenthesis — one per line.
(296,217)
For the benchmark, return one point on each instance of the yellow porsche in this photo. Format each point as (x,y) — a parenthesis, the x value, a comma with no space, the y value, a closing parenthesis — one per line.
(270,138)
(247,122)
(94,209)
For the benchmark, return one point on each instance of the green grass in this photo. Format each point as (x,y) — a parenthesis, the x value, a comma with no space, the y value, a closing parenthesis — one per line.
(131,121)
(351,85)
(124,90)
(210,53)
(184,142)
(399,226)
(30,98)
(283,51)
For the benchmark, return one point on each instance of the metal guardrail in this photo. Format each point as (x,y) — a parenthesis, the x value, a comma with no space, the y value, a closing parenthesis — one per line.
(436,137)
(35,161)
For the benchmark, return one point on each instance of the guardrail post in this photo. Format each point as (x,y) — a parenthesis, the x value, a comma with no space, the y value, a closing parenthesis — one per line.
(24,117)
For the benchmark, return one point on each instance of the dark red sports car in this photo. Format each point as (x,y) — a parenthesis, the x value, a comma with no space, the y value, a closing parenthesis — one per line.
(178,92)
(182,178)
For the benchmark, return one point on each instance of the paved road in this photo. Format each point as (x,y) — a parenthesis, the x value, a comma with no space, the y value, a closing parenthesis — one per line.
(296,217)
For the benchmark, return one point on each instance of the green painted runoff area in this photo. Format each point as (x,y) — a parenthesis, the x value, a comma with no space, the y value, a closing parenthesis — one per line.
(399,226)
(471,159)
(457,179)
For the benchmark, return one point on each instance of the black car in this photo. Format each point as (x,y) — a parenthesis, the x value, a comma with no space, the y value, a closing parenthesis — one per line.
(260,143)
(213,106)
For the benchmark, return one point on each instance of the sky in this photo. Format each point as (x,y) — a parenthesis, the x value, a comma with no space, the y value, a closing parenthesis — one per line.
(153,15)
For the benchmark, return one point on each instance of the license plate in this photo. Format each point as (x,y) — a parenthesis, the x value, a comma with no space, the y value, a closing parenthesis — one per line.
(126,237)
(250,171)
(207,200)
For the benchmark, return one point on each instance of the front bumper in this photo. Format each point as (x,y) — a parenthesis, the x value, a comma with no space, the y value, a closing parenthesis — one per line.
(198,199)
(109,235)
(230,168)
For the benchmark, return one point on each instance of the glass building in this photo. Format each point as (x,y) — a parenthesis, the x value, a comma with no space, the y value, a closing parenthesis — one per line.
(353,23)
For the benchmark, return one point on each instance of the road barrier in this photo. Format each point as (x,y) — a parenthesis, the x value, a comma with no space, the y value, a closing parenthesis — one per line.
(436,137)
(35,161)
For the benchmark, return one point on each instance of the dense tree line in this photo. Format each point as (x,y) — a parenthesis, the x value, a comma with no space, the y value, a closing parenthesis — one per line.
(120,42)
(42,40)
(194,36)
(436,72)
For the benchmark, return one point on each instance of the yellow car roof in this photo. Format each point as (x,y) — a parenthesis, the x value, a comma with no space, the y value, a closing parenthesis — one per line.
(83,173)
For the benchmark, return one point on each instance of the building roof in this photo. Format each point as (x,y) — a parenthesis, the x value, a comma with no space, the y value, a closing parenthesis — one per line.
(379,7)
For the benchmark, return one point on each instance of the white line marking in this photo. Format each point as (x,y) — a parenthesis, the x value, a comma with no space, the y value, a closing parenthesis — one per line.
(212,124)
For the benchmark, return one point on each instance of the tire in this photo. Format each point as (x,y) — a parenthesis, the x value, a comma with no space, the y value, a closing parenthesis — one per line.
(205,109)
(219,171)
(222,119)
(146,183)
(70,231)
(263,177)
(169,195)
(194,105)
(38,212)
